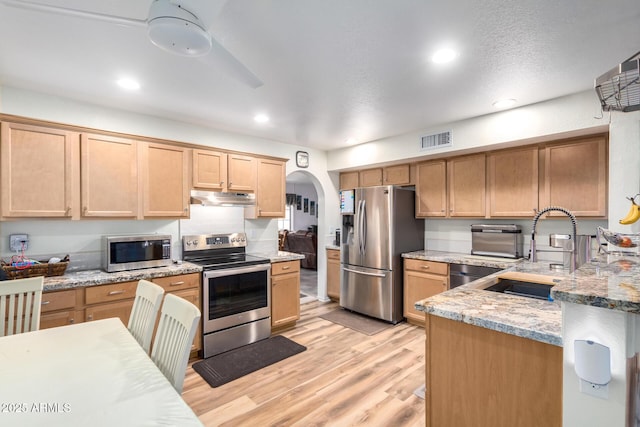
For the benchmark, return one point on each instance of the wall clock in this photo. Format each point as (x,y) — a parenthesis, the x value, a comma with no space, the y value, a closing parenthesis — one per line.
(302,159)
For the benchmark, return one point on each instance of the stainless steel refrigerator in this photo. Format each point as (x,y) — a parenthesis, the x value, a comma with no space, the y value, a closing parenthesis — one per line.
(381,227)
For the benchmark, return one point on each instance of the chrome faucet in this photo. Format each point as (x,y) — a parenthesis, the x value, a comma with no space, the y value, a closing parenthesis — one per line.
(532,249)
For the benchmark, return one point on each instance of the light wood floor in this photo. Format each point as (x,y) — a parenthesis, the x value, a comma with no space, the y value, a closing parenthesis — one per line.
(344,378)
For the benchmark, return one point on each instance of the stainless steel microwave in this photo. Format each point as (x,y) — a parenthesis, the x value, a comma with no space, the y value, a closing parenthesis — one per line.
(121,253)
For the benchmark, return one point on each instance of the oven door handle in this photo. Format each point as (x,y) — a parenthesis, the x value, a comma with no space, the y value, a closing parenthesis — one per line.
(236,270)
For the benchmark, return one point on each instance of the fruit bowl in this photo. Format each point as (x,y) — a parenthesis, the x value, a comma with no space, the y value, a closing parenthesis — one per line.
(620,240)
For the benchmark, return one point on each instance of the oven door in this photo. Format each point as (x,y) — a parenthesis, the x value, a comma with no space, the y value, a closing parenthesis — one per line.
(235,296)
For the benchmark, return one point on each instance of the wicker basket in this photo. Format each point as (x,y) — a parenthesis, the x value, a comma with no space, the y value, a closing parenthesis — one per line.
(42,269)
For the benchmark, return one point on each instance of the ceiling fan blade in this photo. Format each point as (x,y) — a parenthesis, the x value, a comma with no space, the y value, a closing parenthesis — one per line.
(220,58)
(30,5)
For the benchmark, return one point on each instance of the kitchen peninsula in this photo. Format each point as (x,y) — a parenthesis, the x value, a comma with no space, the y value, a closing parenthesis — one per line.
(491,344)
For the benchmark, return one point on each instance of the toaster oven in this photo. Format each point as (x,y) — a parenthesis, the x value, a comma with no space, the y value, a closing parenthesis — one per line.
(496,240)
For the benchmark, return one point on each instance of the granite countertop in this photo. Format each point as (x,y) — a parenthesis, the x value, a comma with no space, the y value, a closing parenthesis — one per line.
(611,282)
(608,281)
(84,278)
(332,246)
(462,258)
(524,317)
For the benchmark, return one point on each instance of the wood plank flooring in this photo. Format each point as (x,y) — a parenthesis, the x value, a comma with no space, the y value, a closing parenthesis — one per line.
(344,378)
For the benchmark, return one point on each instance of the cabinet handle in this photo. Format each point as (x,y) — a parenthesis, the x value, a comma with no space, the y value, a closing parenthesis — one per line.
(68,211)
(45,302)
(230,183)
(177,283)
(90,317)
(116,292)
(84,210)
(426,267)
(221,183)
(71,320)
(286,267)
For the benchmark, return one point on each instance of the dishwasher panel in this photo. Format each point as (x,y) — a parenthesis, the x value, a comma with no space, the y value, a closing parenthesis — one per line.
(461,274)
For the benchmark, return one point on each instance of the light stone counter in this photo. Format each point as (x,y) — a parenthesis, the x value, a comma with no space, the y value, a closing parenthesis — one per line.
(281,256)
(462,258)
(78,279)
(524,317)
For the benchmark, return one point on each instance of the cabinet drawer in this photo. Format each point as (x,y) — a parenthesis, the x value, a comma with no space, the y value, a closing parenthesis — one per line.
(285,267)
(59,300)
(114,292)
(333,254)
(441,268)
(176,283)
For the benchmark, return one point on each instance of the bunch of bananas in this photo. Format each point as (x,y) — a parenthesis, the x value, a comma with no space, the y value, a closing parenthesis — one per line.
(634,212)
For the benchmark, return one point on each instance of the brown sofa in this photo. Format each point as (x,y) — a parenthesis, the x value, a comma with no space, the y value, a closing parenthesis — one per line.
(305,243)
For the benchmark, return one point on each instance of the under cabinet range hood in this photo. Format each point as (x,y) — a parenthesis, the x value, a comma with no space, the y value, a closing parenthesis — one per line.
(619,88)
(211,198)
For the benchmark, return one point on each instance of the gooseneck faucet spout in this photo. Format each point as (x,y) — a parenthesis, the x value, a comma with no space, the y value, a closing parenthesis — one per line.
(532,249)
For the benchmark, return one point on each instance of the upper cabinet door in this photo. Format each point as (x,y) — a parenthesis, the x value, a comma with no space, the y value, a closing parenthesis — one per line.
(370,177)
(270,197)
(109,176)
(241,173)
(467,186)
(39,171)
(209,170)
(165,180)
(431,189)
(397,175)
(349,180)
(576,177)
(513,182)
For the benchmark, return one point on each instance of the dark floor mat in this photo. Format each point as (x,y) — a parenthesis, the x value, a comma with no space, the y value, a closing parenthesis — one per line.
(358,322)
(223,368)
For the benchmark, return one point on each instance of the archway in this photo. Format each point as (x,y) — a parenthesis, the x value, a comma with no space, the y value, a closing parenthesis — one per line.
(311,189)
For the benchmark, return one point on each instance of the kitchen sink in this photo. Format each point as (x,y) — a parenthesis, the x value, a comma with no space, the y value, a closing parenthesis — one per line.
(523,289)
(522,285)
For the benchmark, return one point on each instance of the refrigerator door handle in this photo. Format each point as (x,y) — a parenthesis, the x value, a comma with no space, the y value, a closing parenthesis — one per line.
(360,249)
(364,272)
(363,218)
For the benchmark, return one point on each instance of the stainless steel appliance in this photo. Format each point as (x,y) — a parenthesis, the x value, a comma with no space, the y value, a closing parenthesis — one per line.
(120,253)
(236,291)
(382,227)
(496,240)
(461,274)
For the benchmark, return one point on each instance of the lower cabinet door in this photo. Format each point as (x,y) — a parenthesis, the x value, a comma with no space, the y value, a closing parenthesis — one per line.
(418,286)
(61,318)
(120,309)
(285,299)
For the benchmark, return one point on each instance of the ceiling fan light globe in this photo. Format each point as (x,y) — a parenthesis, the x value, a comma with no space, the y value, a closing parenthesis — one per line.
(180,37)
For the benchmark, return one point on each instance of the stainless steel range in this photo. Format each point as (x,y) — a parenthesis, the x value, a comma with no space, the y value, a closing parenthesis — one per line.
(236,291)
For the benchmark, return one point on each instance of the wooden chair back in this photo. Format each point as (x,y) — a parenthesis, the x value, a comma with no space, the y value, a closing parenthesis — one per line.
(20,308)
(144,313)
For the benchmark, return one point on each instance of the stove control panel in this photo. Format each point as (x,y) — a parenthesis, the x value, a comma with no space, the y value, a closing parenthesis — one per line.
(213,241)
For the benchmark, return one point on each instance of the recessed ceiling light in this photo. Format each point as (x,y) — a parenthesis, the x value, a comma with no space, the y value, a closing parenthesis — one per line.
(129,84)
(504,103)
(443,56)
(261,118)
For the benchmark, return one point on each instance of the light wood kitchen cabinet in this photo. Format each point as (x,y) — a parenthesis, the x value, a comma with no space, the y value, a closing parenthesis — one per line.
(165,180)
(422,279)
(285,294)
(241,173)
(513,182)
(271,189)
(333,274)
(39,171)
(109,176)
(349,180)
(466,178)
(209,170)
(475,377)
(370,177)
(431,189)
(58,308)
(575,177)
(396,175)
(390,175)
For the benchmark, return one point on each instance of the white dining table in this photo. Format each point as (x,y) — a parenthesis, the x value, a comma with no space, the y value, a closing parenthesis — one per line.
(87,374)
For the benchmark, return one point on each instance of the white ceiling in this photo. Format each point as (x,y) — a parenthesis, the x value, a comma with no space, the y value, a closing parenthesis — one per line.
(332,69)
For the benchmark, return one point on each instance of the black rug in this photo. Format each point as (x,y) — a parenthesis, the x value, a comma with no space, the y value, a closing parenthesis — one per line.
(223,368)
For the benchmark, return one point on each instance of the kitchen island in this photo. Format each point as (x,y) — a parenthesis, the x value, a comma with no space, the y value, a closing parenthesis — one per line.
(493,359)
(508,354)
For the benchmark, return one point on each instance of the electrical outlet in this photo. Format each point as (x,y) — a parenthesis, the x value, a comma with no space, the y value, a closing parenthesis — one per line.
(18,242)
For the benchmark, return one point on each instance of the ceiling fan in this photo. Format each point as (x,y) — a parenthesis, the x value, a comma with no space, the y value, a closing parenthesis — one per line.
(171,27)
